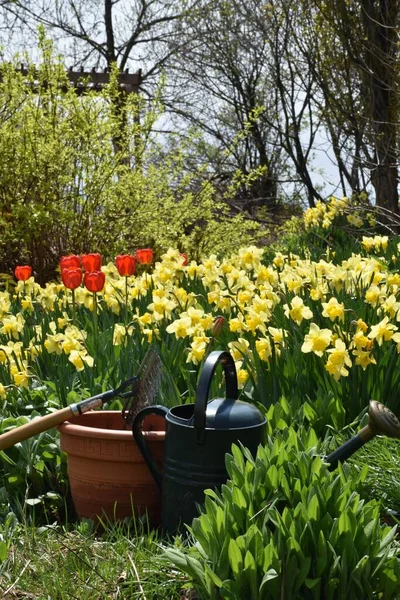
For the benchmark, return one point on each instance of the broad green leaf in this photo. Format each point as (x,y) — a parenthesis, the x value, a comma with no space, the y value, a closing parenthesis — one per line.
(230,590)
(213,576)
(235,558)
(251,572)
(238,498)
(313,509)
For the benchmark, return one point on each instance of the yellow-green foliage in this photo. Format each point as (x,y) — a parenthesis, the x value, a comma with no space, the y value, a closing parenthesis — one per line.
(80,174)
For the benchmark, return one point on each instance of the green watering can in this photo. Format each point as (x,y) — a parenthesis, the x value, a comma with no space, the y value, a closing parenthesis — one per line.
(198,436)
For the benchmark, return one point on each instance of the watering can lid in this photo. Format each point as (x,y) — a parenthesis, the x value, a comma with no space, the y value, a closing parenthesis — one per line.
(223,413)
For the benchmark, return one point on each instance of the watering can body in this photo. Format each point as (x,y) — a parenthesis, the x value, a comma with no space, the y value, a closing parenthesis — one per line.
(198,436)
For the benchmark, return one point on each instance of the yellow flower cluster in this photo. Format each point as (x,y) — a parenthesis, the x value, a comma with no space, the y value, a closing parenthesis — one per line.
(264,312)
(324,213)
(70,342)
(375,243)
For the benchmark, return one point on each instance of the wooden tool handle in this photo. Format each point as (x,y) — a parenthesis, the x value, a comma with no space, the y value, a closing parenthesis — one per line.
(36,426)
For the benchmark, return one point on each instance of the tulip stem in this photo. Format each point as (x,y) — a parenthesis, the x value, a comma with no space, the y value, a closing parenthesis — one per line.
(73,308)
(95,314)
(126,298)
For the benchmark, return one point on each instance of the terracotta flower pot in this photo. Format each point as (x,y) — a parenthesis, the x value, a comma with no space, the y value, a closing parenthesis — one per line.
(107,473)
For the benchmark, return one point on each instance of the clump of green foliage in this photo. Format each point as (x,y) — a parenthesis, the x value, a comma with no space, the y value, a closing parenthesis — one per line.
(84,173)
(284,526)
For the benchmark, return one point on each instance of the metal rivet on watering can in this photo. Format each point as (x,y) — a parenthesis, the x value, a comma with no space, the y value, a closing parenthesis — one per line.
(198,436)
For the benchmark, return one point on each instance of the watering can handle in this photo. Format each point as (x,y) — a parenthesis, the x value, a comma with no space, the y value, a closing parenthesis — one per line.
(203,388)
(141,441)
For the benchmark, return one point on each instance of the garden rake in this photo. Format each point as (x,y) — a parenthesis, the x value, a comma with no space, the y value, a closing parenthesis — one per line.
(137,392)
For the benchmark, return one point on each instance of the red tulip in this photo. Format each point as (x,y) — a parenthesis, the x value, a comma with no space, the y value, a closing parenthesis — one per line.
(23,273)
(218,326)
(126,264)
(144,256)
(94,281)
(91,262)
(70,262)
(185,259)
(71,278)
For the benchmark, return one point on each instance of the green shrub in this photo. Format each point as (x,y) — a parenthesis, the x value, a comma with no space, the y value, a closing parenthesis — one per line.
(286,527)
(82,173)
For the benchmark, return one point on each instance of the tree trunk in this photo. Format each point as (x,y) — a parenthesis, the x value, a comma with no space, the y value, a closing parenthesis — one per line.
(379,20)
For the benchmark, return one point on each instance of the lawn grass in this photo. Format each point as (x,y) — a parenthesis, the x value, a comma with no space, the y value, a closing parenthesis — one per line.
(53,563)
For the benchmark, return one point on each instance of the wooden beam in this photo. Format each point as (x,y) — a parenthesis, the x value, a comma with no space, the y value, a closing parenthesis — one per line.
(84,81)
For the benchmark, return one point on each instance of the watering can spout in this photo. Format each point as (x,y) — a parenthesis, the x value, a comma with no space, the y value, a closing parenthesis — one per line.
(381,421)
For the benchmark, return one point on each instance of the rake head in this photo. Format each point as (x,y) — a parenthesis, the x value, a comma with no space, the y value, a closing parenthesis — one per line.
(145,385)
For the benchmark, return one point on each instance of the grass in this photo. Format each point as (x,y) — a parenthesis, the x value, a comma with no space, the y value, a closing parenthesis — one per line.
(53,563)
(382,455)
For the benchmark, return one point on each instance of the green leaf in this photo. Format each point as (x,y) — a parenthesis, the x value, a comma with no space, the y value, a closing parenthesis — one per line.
(344,523)
(322,555)
(235,558)
(213,576)
(3,551)
(238,498)
(312,583)
(230,590)
(389,537)
(269,576)
(271,479)
(313,509)
(251,572)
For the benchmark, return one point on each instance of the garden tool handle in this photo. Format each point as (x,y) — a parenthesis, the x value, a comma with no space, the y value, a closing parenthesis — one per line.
(142,443)
(203,388)
(40,424)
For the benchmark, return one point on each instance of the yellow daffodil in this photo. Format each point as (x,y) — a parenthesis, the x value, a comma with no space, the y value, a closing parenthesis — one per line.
(297,310)
(237,324)
(264,350)
(198,348)
(26,304)
(53,343)
(181,327)
(239,348)
(79,359)
(382,331)
(13,325)
(277,335)
(364,358)
(338,360)
(5,303)
(359,340)
(21,378)
(250,257)
(242,377)
(333,309)
(355,220)
(119,335)
(317,340)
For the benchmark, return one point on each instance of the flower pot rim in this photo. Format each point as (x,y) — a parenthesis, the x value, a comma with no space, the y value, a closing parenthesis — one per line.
(78,428)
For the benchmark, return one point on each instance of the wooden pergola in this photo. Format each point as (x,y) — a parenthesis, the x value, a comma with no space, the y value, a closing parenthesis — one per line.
(83,81)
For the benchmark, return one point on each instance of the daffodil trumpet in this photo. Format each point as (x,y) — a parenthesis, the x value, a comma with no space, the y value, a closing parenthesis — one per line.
(382,421)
